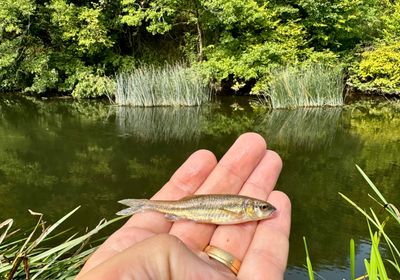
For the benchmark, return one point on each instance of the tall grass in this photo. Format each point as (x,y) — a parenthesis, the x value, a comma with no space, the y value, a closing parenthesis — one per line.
(376,265)
(313,85)
(31,256)
(168,85)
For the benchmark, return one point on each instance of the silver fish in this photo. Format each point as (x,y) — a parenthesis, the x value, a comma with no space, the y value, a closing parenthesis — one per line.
(211,208)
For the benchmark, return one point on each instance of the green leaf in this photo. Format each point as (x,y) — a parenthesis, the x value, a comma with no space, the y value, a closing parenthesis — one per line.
(372,185)
(352,259)
(308,261)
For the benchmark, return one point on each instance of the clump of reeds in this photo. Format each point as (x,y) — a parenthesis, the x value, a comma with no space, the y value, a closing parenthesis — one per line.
(29,256)
(376,265)
(168,85)
(306,86)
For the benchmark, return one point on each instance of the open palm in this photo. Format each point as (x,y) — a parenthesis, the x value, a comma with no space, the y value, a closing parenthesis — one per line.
(248,168)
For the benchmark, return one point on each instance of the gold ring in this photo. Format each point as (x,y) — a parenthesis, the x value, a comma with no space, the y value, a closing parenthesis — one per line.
(223,257)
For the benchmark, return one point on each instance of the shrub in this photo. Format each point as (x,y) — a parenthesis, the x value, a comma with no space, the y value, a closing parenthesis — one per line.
(379,69)
(94,86)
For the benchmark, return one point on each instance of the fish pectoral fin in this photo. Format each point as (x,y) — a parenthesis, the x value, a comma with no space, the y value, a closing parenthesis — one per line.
(172,217)
(232,213)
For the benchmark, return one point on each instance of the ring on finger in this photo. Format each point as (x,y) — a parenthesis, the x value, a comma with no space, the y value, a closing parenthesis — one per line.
(223,257)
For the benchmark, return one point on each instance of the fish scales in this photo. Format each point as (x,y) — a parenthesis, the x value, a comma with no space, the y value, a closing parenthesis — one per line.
(215,208)
(202,208)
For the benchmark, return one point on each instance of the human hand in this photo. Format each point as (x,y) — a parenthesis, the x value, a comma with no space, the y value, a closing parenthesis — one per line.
(144,248)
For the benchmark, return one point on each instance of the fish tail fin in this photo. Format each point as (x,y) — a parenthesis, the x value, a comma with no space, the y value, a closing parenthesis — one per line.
(135,206)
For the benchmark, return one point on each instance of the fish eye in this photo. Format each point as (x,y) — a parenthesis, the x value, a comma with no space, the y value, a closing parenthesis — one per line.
(264,207)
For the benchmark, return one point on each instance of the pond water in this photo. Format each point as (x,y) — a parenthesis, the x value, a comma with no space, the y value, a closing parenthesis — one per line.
(57,154)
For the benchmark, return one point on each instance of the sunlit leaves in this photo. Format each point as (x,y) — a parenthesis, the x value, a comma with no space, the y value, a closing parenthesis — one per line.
(340,25)
(379,68)
(157,14)
(82,25)
(14,15)
(392,22)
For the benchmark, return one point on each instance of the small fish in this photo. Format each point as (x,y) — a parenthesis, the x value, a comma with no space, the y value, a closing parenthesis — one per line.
(212,208)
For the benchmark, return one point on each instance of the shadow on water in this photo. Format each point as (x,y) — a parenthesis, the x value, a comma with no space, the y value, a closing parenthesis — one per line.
(55,155)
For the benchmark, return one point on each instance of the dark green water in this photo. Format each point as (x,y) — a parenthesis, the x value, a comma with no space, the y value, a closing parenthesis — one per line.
(55,155)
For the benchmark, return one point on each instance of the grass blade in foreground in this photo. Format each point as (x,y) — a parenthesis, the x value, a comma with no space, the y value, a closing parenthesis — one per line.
(27,258)
(308,261)
(375,267)
(352,259)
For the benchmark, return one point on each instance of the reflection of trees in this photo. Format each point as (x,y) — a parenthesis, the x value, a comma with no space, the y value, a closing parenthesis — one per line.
(139,169)
(313,178)
(378,127)
(161,123)
(45,164)
(57,155)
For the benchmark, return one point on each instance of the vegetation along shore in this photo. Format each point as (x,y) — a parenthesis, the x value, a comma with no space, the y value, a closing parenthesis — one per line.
(90,49)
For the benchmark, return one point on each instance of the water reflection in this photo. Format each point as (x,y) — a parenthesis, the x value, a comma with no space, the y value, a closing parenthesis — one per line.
(305,128)
(161,124)
(55,155)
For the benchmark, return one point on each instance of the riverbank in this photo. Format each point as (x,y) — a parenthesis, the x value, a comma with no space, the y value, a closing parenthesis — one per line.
(81,52)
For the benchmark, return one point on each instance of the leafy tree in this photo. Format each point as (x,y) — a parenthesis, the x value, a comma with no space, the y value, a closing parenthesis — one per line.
(341,25)
(252,40)
(237,41)
(392,22)
(49,47)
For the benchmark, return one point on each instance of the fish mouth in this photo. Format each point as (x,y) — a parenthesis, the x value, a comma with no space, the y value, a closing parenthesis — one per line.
(273,211)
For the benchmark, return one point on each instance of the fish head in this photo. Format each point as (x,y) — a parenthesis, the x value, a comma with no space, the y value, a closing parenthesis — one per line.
(259,209)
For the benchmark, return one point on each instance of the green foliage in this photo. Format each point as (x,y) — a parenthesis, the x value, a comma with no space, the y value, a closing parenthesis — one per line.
(392,22)
(252,41)
(14,15)
(82,27)
(379,69)
(92,85)
(66,46)
(46,47)
(340,25)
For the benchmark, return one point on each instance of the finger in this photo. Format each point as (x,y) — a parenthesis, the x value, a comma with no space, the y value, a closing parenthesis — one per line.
(266,257)
(227,177)
(143,225)
(158,257)
(235,239)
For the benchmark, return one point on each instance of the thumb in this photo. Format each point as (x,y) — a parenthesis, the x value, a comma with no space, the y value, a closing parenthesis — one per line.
(160,257)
